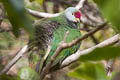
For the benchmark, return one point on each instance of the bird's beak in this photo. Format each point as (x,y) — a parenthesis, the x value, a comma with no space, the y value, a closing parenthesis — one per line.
(78,20)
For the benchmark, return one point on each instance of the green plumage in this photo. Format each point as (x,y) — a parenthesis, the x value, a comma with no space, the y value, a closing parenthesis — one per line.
(50,32)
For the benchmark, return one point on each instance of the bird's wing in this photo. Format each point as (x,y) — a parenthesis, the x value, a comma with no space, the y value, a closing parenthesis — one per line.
(58,37)
(43,36)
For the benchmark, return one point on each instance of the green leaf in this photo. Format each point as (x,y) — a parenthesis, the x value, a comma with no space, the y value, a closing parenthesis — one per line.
(26,73)
(7,77)
(17,15)
(111,10)
(89,71)
(103,53)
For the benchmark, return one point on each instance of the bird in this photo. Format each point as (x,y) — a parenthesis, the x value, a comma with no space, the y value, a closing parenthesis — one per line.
(48,34)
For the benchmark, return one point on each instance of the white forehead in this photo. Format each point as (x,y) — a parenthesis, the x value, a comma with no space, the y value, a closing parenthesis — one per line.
(68,14)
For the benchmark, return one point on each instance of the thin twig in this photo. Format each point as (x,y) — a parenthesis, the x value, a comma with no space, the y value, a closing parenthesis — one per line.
(94,39)
(76,56)
(92,36)
(14,60)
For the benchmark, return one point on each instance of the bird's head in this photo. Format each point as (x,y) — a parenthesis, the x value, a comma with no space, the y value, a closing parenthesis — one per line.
(72,14)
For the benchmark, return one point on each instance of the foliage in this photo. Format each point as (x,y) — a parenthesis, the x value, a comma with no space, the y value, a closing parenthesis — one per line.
(111,10)
(7,77)
(89,71)
(104,53)
(17,15)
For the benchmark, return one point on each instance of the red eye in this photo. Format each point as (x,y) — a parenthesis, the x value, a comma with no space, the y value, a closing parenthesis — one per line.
(77,14)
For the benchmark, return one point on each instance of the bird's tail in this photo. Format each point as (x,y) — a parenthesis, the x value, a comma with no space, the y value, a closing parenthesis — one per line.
(37,61)
(39,66)
(43,61)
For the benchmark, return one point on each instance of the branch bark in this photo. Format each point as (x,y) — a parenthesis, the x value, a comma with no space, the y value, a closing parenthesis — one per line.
(14,60)
(41,14)
(76,56)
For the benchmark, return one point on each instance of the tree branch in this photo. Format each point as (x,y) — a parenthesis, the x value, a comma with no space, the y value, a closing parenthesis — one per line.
(41,14)
(14,60)
(76,56)
(80,4)
(48,15)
